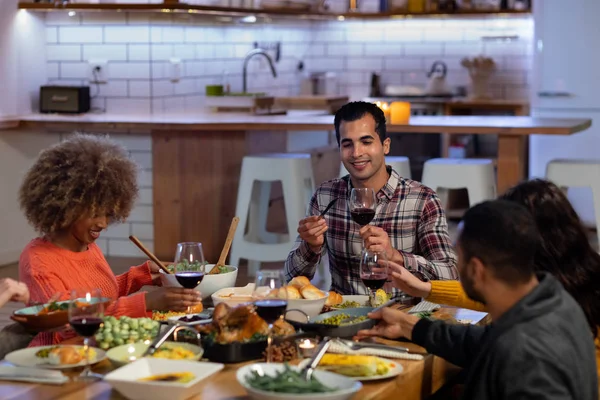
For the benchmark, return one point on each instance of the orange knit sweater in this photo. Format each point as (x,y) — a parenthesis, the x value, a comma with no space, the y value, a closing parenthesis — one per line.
(452,293)
(47,269)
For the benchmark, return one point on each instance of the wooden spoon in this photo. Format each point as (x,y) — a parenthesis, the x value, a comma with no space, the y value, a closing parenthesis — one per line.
(226,246)
(147,252)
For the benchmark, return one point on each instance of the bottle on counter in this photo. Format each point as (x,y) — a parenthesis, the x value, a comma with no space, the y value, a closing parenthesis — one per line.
(225,82)
(416,6)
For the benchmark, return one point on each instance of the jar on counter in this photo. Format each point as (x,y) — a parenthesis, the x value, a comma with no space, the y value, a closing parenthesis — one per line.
(416,6)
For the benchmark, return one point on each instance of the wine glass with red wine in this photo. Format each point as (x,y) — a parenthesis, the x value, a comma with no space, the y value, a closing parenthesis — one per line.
(362,205)
(373,270)
(86,309)
(189,264)
(270,300)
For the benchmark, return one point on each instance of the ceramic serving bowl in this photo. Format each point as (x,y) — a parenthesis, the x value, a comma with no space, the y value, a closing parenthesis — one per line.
(127,353)
(344,387)
(210,283)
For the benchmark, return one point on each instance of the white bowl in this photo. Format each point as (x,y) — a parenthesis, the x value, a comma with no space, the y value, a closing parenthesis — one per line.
(209,284)
(233,296)
(312,308)
(125,379)
(347,387)
(131,352)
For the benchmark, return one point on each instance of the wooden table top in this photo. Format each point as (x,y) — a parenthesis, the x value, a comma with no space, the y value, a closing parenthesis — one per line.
(418,380)
(499,125)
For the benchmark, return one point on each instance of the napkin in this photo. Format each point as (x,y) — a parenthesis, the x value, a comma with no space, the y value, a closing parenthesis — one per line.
(424,306)
(36,375)
(370,351)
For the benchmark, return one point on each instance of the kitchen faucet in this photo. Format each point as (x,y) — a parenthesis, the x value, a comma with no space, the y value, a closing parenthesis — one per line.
(251,54)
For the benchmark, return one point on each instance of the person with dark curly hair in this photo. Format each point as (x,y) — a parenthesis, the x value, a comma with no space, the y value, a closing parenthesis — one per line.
(74,191)
(565,252)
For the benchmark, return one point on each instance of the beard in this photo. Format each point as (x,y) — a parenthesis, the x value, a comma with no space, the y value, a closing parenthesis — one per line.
(469,287)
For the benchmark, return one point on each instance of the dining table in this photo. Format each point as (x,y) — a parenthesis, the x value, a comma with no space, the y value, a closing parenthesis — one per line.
(418,380)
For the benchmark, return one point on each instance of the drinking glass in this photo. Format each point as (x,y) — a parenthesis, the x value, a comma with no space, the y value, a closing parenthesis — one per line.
(373,270)
(270,300)
(189,265)
(362,205)
(86,309)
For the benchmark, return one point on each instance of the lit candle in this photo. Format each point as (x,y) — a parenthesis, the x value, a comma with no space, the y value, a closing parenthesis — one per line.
(386,111)
(307,347)
(400,112)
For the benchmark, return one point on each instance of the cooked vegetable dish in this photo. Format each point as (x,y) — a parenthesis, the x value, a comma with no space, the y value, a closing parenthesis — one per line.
(337,319)
(286,381)
(115,332)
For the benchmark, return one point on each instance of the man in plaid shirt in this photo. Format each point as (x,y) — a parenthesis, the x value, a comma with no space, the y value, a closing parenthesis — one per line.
(409,225)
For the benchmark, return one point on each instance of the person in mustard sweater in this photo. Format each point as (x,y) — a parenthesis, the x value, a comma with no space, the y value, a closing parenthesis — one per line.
(71,194)
(566,253)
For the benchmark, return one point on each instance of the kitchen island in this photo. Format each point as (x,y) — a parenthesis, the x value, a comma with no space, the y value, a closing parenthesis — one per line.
(197,157)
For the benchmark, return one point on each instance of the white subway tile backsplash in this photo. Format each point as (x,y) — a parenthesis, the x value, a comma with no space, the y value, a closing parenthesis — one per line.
(124,248)
(143,231)
(108,52)
(104,18)
(62,18)
(514,63)
(76,70)
(326,64)
(128,106)
(138,52)
(117,231)
(113,88)
(63,52)
(400,34)
(423,49)
(139,88)
(184,51)
(162,88)
(378,50)
(141,214)
(210,51)
(443,35)
(469,49)
(52,70)
(126,34)
(144,178)
(131,70)
(194,35)
(364,35)
(328,35)
(173,34)
(397,63)
(345,49)
(80,34)
(144,197)
(210,34)
(161,52)
(103,244)
(52,34)
(364,64)
(142,158)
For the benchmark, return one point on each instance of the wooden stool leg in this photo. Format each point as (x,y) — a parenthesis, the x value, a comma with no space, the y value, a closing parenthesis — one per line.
(512,160)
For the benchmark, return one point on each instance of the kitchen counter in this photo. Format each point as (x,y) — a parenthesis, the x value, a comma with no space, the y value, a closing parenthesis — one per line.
(196,158)
(300,121)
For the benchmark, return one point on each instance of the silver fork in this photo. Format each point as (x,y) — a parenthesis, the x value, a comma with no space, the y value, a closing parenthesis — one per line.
(357,346)
(308,370)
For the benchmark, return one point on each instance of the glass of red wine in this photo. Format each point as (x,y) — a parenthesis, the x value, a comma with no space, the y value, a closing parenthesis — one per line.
(189,264)
(373,270)
(270,300)
(362,205)
(86,309)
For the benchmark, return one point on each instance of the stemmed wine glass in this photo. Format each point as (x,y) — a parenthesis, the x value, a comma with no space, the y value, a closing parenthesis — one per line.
(189,265)
(362,205)
(373,270)
(86,309)
(270,300)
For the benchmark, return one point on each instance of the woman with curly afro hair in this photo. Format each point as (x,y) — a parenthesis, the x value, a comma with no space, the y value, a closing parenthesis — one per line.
(74,191)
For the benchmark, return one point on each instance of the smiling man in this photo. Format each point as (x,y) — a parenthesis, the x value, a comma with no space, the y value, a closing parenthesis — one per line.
(409,223)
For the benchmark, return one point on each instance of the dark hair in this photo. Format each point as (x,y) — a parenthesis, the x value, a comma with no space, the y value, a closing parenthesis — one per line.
(503,235)
(356,110)
(565,251)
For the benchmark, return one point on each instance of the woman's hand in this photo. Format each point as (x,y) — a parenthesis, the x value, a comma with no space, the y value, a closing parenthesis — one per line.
(172,299)
(11,290)
(393,324)
(155,271)
(404,280)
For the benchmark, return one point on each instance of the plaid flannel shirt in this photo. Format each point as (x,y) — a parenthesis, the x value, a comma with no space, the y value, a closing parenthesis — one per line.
(408,211)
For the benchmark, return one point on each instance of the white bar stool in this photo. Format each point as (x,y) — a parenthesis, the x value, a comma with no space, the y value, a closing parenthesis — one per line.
(400,164)
(578,173)
(476,175)
(258,172)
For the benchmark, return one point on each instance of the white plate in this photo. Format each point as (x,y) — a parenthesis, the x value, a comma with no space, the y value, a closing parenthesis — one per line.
(27,358)
(395,371)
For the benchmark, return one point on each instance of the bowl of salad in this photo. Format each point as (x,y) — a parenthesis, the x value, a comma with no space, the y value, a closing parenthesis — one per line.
(224,277)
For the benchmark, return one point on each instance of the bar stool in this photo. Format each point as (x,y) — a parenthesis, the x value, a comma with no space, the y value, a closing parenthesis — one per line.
(400,164)
(578,173)
(258,172)
(476,175)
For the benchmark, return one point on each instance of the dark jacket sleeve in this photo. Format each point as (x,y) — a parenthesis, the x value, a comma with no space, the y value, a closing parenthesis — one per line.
(458,344)
(536,379)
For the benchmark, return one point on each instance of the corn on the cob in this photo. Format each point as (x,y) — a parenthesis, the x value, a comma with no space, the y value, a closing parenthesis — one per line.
(352,365)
